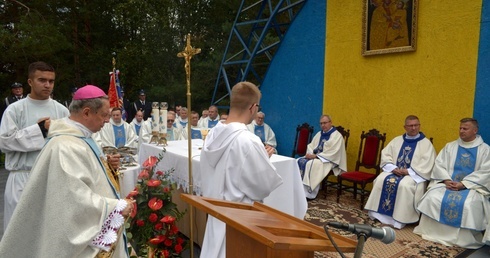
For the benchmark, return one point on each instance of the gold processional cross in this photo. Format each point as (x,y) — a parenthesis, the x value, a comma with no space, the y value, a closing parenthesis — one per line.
(187,54)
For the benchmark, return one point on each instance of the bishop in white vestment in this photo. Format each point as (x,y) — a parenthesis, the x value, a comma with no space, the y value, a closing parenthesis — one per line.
(70,207)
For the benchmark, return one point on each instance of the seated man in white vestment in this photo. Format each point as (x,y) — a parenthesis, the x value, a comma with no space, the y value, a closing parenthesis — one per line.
(212,120)
(455,209)
(141,127)
(204,114)
(181,120)
(407,163)
(325,153)
(71,206)
(117,133)
(195,130)
(173,133)
(23,131)
(263,130)
(235,165)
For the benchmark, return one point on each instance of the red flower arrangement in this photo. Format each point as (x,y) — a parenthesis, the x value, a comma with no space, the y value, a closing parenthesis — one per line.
(151,228)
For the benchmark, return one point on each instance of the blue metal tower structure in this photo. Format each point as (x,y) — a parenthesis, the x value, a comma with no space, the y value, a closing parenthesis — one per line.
(258,30)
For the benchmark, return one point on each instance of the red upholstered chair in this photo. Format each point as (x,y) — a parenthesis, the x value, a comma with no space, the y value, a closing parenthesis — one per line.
(369,157)
(304,133)
(325,183)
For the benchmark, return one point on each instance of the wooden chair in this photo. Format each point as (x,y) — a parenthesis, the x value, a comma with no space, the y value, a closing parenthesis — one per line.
(369,157)
(325,183)
(304,133)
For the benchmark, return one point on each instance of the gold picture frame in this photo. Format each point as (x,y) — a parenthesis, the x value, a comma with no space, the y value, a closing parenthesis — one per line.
(389,26)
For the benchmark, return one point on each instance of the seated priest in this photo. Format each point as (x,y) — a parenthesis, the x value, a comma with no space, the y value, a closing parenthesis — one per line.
(181,120)
(455,209)
(325,153)
(212,120)
(195,130)
(173,133)
(117,133)
(407,162)
(141,127)
(263,130)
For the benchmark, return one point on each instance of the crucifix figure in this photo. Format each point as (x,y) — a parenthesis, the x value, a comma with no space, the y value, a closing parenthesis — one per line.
(188,52)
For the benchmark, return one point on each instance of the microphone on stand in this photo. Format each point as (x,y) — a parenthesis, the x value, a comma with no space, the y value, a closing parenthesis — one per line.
(385,234)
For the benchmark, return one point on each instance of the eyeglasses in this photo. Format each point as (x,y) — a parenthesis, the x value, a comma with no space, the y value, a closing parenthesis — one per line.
(170,120)
(324,123)
(259,108)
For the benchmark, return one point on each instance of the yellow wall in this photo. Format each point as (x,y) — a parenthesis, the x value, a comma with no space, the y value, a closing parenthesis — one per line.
(436,82)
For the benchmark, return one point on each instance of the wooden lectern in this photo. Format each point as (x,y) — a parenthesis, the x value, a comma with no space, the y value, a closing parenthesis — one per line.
(257,230)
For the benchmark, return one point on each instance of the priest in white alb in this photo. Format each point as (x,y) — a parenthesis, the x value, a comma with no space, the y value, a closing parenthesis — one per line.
(142,128)
(325,153)
(455,209)
(263,130)
(235,165)
(407,162)
(117,133)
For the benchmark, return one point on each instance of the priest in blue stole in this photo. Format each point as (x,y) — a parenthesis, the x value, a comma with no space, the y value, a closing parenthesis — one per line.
(263,130)
(117,133)
(456,209)
(407,162)
(326,152)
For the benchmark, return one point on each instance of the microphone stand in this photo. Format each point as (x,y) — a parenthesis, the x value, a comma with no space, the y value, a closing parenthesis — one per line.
(361,239)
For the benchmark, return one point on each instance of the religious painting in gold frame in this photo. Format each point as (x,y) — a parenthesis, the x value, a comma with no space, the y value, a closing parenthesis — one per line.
(389,26)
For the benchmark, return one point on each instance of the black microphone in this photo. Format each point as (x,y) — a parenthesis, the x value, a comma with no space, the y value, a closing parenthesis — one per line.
(385,234)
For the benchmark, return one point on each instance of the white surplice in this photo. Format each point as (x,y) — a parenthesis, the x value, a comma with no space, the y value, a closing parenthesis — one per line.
(65,203)
(105,137)
(476,211)
(234,167)
(21,140)
(411,187)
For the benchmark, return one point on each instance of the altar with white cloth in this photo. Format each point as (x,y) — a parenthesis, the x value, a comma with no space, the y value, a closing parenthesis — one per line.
(288,197)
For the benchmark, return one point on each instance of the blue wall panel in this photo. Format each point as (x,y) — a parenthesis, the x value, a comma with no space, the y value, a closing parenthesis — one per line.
(292,91)
(482,92)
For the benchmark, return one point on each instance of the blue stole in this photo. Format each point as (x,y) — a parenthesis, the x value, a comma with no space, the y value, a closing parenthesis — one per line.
(137,127)
(453,201)
(212,123)
(196,134)
(324,136)
(260,132)
(390,184)
(170,134)
(119,136)
(182,123)
(97,153)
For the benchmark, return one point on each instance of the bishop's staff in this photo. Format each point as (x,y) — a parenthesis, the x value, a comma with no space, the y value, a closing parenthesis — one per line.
(187,54)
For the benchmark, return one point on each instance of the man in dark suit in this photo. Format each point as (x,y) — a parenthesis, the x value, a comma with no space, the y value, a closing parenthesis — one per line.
(17,94)
(127,107)
(142,105)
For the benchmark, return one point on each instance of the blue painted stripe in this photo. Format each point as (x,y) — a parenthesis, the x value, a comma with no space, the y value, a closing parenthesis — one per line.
(482,92)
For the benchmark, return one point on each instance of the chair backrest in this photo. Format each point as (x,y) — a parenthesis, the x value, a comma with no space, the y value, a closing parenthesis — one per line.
(345,133)
(370,148)
(303,137)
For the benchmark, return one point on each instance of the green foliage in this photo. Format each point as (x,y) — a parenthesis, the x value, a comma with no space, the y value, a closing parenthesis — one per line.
(79,38)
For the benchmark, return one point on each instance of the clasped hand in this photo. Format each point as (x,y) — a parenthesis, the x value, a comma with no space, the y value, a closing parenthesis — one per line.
(454,186)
